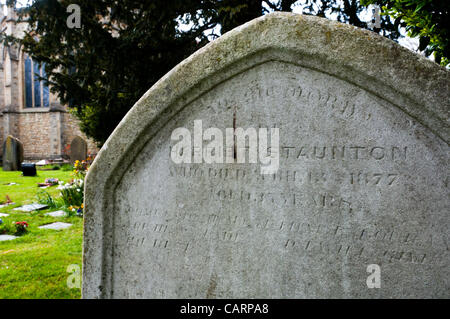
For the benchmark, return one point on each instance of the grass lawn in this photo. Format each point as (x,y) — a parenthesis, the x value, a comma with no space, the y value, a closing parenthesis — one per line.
(35,265)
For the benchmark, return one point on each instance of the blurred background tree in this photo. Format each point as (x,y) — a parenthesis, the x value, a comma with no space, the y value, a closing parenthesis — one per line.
(426,19)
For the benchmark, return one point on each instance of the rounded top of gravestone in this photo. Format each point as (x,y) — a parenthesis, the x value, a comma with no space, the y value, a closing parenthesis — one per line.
(410,82)
(78,149)
(12,153)
(10,137)
(363,57)
(78,139)
(418,86)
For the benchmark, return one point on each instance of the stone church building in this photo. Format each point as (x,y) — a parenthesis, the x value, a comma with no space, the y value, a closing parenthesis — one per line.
(28,110)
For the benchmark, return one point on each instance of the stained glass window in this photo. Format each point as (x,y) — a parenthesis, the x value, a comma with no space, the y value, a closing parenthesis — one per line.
(37,84)
(45,90)
(37,93)
(28,83)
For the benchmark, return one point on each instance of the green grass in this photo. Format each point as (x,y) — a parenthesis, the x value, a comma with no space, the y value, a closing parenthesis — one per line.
(34,265)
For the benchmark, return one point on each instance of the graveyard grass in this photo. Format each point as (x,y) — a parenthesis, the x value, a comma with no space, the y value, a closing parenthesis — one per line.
(35,265)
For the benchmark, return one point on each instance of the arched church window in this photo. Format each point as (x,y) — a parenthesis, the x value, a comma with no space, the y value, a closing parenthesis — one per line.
(36,90)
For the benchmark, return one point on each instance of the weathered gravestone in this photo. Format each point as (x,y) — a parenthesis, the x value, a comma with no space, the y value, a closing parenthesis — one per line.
(78,149)
(360,199)
(12,154)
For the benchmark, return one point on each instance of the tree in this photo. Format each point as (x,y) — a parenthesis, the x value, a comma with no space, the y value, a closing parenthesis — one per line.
(427,19)
(124,46)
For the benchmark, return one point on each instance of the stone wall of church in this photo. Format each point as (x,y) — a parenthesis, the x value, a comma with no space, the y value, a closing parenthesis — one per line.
(1,139)
(45,131)
(34,133)
(45,135)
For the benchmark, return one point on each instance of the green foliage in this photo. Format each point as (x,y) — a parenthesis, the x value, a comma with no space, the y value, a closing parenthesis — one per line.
(66,167)
(21,228)
(72,194)
(80,168)
(45,198)
(70,199)
(7,228)
(13,228)
(427,19)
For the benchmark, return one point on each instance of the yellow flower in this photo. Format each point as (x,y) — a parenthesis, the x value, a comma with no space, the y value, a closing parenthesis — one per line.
(82,206)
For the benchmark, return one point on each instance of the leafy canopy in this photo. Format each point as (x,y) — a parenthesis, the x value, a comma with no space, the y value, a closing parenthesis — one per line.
(427,19)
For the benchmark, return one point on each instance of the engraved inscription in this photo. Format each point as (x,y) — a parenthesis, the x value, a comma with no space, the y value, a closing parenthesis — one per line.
(356,185)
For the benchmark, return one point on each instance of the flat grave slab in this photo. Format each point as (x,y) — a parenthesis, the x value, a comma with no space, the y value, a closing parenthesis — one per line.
(7,237)
(56,226)
(58,213)
(31,207)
